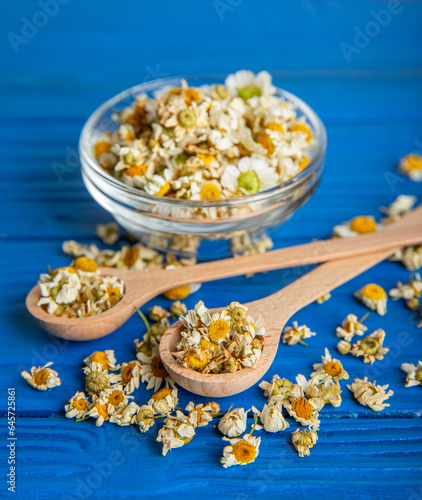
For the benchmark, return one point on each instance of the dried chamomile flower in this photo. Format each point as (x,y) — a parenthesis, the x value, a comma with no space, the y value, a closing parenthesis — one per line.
(106,359)
(370,347)
(163,401)
(303,440)
(411,290)
(144,418)
(233,423)
(278,389)
(413,304)
(411,165)
(177,431)
(153,371)
(157,313)
(363,224)
(241,451)
(271,417)
(414,373)
(295,334)
(146,346)
(329,368)
(324,298)
(303,410)
(77,407)
(130,375)
(97,379)
(158,329)
(42,378)
(343,347)
(115,398)
(412,258)
(125,415)
(330,392)
(308,388)
(98,410)
(178,309)
(200,415)
(181,292)
(374,297)
(108,233)
(351,326)
(400,206)
(370,394)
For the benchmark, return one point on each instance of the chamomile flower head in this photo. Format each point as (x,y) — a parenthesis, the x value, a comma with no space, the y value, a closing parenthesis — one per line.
(411,290)
(42,377)
(271,417)
(97,378)
(249,176)
(329,369)
(108,233)
(177,431)
(163,401)
(371,347)
(411,165)
(330,392)
(278,389)
(246,84)
(374,297)
(144,418)
(78,406)
(369,394)
(294,334)
(106,359)
(241,451)
(153,371)
(115,398)
(302,409)
(130,375)
(98,410)
(414,373)
(363,224)
(233,423)
(200,415)
(350,327)
(125,415)
(343,347)
(303,440)
(400,206)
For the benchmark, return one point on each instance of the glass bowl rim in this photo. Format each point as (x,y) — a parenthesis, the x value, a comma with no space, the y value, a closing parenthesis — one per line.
(87,155)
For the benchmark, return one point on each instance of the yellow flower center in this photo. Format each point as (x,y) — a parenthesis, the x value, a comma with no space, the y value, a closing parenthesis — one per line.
(161,394)
(301,127)
(177,293)
(333,368)
(210,191)
(374,292)
(265,141)
(157,367)
(102,410)
(244,452)
(79,404)
(418,375)
(164,189)
(41,376)
(101,358)
(350,326)
(205,344)
(96,382)
(191,95)
(369,346)
(136,170)
(413,163)
(116,397)
(276,127)
(196,361)
(218,330)
(131,256)
(127,372)
(205,157)
(85,264)
(303,408)
(101,147)
(113,294)
(304,163)
(363,225)
(69,269)
(280,386)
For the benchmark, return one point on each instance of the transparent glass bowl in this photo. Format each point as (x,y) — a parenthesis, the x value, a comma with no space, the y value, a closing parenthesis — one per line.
(173,225)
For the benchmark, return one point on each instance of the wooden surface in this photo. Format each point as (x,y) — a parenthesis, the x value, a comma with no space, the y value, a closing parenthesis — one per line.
(372,108)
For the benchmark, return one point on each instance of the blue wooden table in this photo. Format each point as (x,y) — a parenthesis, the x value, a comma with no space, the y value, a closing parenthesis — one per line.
(359,65)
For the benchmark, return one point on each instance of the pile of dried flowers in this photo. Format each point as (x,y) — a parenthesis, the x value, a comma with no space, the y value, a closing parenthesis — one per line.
(224,341)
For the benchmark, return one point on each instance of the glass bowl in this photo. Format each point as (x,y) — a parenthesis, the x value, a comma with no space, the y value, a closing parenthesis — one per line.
(201,229)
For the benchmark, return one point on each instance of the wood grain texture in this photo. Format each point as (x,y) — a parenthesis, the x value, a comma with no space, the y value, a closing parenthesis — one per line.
(372,108)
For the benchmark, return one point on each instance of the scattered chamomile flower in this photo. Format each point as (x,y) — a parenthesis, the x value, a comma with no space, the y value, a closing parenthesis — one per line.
(201,415)
(278,389)
(329,368)
(402,205)
(324,298)
(370,394)
(233,423)
(371,347)
(42,377)
(413,304)
(343,347)
(98,410)
(271,417)
(411,257)
(144,418)
(295,334)
(106,359)
(414,373)
(303,440)
(241,451)
(362,224)
(108,233)
(411,290)
(351,326)
(97,378)
(153,371)
(303,410)
(125,415)
(77,407)
(178,309)
(330,392)
(163,401)
(158,313)
(176,432)
(115,398)
(411,165)
(130,375)
(374,297)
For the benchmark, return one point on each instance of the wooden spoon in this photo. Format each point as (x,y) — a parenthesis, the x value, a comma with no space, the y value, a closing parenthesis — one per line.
(276,310)
(141,286)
